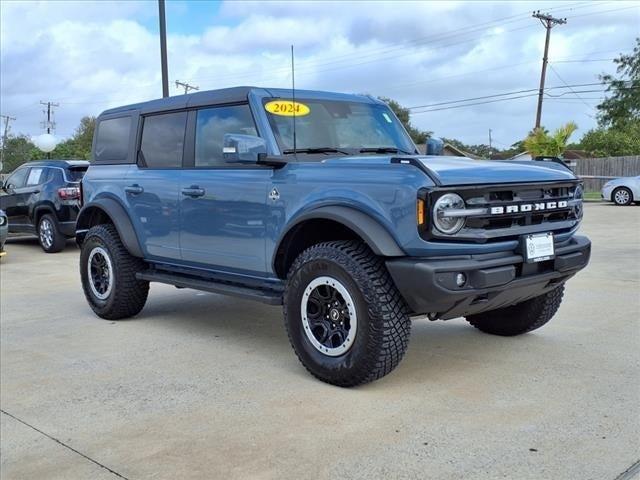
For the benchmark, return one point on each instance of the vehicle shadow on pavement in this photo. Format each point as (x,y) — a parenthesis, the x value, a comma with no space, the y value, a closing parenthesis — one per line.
(32,240)
(437,350)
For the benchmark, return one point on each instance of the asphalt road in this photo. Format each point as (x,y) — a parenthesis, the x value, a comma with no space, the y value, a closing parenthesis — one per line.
(203,386)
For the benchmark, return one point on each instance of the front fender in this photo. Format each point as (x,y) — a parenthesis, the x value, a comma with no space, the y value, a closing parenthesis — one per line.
(374,235)
(118,216)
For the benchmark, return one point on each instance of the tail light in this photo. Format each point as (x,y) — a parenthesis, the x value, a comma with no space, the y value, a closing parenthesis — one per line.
(69,193)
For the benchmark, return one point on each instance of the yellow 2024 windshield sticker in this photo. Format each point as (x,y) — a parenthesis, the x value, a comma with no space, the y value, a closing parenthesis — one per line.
(287,108)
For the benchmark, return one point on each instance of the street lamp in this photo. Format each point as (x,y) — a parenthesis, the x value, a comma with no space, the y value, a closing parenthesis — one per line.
(45,142)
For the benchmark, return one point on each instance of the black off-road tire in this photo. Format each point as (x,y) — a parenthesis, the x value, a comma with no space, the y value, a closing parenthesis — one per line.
(629,196)
(57,240)
(521,318)
(383,324)
(128,294)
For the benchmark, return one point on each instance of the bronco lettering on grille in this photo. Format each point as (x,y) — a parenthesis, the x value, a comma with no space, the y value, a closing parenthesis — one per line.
(528,207)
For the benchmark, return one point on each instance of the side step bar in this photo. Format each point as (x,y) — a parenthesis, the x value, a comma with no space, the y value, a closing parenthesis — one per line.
(269,297)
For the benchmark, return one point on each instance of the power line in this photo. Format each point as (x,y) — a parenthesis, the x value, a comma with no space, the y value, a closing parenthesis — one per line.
(571,89)
(476,103)
(481,27)
(494,100)
(501,95)
(583,61)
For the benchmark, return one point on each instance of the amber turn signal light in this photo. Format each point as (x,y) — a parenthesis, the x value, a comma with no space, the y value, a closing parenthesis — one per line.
(420,211)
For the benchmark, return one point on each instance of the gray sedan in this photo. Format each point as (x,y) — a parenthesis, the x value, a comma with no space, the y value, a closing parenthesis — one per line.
(622,191)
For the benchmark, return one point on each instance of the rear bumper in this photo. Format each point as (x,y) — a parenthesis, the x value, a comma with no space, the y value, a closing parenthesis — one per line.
(428,285)
(68,229)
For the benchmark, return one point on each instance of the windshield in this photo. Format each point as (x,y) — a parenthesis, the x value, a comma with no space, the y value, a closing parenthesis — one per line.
(337,127)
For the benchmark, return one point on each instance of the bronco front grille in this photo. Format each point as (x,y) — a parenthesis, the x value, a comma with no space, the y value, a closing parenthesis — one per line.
(503,212)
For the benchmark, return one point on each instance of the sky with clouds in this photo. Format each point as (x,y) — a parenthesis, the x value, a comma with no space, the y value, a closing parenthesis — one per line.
(90,56)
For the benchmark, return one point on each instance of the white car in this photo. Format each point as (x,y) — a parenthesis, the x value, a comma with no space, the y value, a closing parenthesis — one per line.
(622,191)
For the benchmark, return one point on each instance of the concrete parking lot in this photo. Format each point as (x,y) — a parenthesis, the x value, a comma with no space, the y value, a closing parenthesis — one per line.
(204,386)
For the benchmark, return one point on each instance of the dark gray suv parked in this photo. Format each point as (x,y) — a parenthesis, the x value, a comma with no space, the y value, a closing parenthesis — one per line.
(43,198)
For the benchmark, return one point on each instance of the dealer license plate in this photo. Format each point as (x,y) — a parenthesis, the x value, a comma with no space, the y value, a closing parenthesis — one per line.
(538,248)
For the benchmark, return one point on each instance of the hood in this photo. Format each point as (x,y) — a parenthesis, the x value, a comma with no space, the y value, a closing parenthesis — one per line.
(464,171)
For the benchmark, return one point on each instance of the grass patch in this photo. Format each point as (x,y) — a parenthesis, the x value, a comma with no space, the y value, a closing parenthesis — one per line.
(592,196)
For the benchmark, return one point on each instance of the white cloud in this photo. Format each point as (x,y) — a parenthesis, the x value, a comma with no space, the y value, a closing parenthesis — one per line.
(90,56)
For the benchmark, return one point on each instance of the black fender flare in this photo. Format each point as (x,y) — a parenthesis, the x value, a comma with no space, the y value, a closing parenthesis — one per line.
(374,235)
(118,216)
(43,207)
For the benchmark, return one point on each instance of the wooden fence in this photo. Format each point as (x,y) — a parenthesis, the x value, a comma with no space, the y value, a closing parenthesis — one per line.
(604,169)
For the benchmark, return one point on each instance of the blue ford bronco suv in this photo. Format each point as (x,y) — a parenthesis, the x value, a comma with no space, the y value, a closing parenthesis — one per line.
(322,204)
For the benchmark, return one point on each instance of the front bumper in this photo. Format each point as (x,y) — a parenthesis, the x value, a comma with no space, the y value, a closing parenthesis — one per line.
(494,280)
(606,192)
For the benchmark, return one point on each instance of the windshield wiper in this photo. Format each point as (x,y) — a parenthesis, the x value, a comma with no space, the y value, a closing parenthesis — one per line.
(385,150)
(315,150)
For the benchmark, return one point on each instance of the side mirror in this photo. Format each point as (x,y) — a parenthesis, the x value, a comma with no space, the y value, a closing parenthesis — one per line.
(238,148)
(434,146)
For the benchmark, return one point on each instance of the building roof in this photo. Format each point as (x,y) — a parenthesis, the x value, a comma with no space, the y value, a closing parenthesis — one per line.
(453,151)
(457,152)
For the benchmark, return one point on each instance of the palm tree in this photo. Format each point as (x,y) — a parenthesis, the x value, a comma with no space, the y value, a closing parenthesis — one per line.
(540,143)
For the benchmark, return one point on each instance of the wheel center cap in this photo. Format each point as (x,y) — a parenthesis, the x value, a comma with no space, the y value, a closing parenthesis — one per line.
(334,314)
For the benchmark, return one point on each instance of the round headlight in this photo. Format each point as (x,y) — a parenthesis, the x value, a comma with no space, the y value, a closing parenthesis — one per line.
(578,193)
(3,220)
(444,205)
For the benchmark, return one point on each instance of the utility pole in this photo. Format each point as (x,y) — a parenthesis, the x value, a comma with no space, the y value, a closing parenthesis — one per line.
(7,119)
(186,86)
(163,49)
(548,22)
(490,147)
(49,124)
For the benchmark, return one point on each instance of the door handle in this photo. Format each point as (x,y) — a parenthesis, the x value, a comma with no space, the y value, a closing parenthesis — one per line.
(193,191)
(134,189)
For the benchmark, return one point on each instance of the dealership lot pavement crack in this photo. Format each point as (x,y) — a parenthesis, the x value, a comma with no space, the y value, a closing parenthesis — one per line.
(69,447)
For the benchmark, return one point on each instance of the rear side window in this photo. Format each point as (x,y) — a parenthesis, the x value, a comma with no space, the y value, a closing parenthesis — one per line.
(112,142)
(163,140)
(211,126)
(75,174)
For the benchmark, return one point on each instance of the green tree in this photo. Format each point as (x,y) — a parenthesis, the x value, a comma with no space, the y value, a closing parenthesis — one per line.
(403,115)
(21,149)
(83,137)
(17,150)
(623,103)
(613,141)
(541,143)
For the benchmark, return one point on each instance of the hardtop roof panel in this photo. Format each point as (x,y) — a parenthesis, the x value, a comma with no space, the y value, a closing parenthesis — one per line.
(230,95)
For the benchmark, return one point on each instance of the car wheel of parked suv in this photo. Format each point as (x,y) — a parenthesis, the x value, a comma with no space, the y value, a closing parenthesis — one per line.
(622,196)
(521,318)
(49,235)
(344,316)
(108,273)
